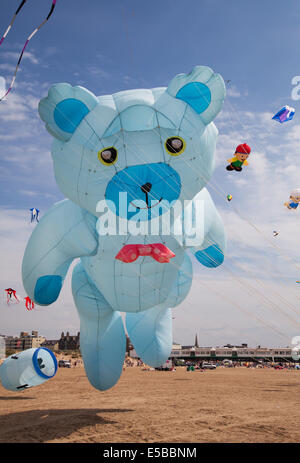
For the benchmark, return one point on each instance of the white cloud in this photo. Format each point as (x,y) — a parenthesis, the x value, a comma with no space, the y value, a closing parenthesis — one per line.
(16,107)
(10,55)
(233,92)
(7,67)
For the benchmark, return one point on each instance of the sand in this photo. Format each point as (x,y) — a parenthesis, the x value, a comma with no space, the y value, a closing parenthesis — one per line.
(224,405)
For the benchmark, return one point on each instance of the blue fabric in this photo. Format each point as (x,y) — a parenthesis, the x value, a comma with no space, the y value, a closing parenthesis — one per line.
(294,205)
(291,115)
(37,366)
(47,289)
(197,95)
(137,124)
(151,334)
(210,257)
(165,181)
(26,369)
(279,113)
(288,116)
(69,113)
(102,335)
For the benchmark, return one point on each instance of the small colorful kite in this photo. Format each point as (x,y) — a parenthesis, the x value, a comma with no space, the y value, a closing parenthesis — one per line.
(284,114)
(240,158)
(29,304)
(11,296)
(294,200)
(34,214)
(27,41)
(229,197)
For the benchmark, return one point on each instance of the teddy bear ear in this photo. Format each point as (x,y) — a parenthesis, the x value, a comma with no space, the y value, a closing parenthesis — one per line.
(202,89)
(64,108)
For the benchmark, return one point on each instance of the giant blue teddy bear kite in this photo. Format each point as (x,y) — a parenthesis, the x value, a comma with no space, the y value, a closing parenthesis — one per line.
(139,153)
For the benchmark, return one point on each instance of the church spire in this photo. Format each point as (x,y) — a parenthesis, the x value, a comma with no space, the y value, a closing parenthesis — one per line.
(196,341)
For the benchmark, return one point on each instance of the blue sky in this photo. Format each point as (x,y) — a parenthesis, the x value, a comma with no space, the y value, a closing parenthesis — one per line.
(111,46)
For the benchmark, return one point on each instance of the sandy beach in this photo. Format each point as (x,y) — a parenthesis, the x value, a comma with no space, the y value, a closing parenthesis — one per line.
(225,405)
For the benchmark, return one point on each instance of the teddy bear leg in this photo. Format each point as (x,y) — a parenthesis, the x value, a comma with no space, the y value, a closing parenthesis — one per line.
(102,334)
(150,332)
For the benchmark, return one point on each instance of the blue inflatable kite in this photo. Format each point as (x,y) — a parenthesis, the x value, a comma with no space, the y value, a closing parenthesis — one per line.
(284,114)
(29,368)
(133,166)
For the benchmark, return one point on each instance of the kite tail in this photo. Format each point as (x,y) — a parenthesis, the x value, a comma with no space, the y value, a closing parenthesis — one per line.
(12,21)
(27,41)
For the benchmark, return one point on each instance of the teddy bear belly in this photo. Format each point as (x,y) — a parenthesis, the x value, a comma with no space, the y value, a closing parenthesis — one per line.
(135,286)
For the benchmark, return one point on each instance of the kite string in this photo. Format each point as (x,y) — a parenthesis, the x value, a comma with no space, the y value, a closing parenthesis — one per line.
(239,119)
(262,296)
(26,43)
(133,179)
(173,264)
(12,21)
(234,303)
(236,210)
(137,152)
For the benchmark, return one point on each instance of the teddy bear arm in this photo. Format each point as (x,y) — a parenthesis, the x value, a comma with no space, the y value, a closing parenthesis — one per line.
(211,252)
(64,233)
(211,248)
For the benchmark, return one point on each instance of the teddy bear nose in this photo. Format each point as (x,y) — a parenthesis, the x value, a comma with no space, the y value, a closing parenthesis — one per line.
(146,187)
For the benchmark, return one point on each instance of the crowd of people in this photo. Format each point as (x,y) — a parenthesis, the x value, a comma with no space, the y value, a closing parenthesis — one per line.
(129,362)
(246,364)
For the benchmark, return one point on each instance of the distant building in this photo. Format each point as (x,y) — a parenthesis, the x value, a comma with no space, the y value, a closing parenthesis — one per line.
(242,352)
(176,345)
(27,341)
(241,346)
(67,342)
(51,344)
(24,341)
(196,344)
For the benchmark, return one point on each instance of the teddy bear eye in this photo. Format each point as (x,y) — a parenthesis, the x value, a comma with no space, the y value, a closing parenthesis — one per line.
(108,156)
(175,146)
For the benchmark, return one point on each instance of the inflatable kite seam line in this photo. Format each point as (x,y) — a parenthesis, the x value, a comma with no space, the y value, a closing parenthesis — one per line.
(54,247)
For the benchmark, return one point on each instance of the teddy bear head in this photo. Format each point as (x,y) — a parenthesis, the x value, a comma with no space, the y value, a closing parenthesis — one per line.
(152,145)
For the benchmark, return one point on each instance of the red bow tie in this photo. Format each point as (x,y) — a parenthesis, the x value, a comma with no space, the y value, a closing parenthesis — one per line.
(130,252)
